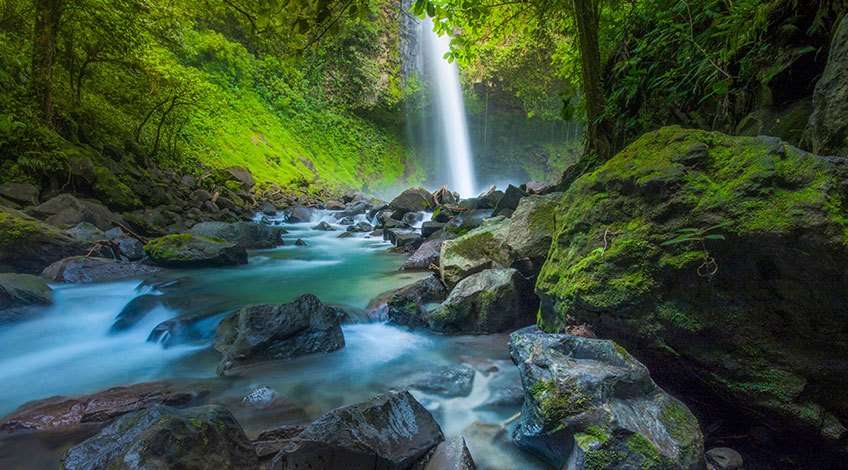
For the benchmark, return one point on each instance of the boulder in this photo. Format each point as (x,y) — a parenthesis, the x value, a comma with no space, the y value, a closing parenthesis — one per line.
(324,227)
(22,193)
(334,205)
(246,235)
(298,214)
(724,458)
(724,256)
(347,220)
(828,126)
(300,242)
(361,227)
(270,332)
(412,218)
(402,238)
(22,290)
(162,437)
(346,234)
(443,196)
(130,248)
(491,301)
(451,454)
(588,403)
(412,200)
(85,269)
(425,256)
(186,250)
(521,242)
(509,201)
(391,431)
(28,245)
(489,199)
(65,211)
(407,305)
(86,232)
(428,228)
(63,412)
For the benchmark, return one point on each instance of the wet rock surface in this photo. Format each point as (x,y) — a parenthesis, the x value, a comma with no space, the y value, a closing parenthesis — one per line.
(190,251)
(82,269)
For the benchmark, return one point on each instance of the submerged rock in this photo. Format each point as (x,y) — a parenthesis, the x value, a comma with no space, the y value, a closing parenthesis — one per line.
(268,332)
(187,250)
(62,412)
(85,269)
(198,438)
(28,245)
(753,305)
(361,227)
(391,431)
(244,234)
(490,301)
(324,226)
(589,403)
(450,381)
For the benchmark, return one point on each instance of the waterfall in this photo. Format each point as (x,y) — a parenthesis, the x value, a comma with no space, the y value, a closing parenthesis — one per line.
(449,112)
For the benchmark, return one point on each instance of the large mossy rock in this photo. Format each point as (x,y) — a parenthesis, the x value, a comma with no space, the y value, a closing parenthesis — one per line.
(589,405)
(491,301)
(162,437)
(409,305)
(268,332)
(186,250)
(28,245)
(520,242)
(763,327)
(412,200)
(244,234)
(391,432)
(828,126)
(20,291)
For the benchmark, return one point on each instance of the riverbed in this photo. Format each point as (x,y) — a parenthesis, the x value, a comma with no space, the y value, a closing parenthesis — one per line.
(69,348)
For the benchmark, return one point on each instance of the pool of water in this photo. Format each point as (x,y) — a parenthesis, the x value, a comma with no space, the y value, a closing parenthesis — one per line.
(68,349)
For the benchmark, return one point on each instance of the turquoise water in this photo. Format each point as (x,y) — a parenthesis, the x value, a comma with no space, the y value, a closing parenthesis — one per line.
(67,349)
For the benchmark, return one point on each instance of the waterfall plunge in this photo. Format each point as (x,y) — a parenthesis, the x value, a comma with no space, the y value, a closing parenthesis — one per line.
(450,111)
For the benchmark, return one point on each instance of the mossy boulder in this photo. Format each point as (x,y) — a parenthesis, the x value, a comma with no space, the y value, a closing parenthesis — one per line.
(22,290)
(588,404)
(28,245)
(164,437)
(412,200)
(491,301)
(247,235)
(186,250)
(520,242)
(722,255)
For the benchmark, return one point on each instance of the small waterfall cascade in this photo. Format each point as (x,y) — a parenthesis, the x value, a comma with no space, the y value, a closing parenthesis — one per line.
(446,131)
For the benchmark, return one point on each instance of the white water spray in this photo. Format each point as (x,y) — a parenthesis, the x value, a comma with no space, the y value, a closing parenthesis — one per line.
(450,110)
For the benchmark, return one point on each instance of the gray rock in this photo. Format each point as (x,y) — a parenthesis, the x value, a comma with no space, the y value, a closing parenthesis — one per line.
(298,214)
(334,205)
(345,235)
(489,199)
(82,269)
(412,218)
(300,242)
(425,256)
(588,399)
(246,235)
(452,454)
(163,437)
(406,306)
(509,201)
(130,248)
(491,301)
(22,193)
(28,245)
(361,227)
(428,228)
(412,200)
(391,431)
(402,238)
(242,175)
(724,458)
(65,210)
(346,220)
(828,126)
(324,227)
(269,332)
(260,397)
(443,196)
(86,232)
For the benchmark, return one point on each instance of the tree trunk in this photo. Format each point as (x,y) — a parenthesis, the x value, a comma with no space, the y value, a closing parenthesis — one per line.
(47,15)
(586,15)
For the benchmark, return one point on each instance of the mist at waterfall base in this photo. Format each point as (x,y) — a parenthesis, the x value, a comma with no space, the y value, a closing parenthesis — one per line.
(68,348)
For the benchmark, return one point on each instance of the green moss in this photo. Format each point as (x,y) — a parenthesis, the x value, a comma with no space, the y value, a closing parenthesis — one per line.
(648,455)
(557,402)
(112,191)
(17,228)
(603,459)
(679,421)
(591,437)
(678,316)
(173,247)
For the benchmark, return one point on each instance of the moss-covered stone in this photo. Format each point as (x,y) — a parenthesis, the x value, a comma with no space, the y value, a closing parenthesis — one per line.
(754,325)
(186,250)
(29,245)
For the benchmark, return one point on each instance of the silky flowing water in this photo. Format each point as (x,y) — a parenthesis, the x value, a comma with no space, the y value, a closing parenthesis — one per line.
(67,349)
